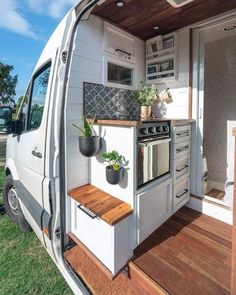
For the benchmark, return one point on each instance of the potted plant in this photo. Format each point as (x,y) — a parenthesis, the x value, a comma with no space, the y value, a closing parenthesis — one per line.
(146,97)
(89,142)
(115,169)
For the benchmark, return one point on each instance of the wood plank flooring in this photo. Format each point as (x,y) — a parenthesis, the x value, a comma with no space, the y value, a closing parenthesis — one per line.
(190,254)
(215,193)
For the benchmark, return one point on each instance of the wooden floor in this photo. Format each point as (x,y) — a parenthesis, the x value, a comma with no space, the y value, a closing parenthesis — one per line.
(215,193)
(190,254)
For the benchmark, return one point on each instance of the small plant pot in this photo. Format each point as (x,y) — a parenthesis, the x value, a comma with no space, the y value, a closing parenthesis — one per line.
(114,176)
(145,112)
(89,146)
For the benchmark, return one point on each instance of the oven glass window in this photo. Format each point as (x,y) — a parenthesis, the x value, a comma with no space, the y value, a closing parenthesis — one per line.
(119,75)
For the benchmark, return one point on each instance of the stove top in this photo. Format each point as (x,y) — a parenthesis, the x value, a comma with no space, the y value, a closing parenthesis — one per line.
(154,128)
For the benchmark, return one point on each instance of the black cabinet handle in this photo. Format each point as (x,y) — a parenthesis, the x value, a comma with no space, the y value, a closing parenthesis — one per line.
(181,169)
(184,133)
(38,155)
(185,192)
(184,148)
(87,211)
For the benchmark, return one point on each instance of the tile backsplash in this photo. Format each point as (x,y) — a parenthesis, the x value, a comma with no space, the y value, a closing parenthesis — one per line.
(105,102)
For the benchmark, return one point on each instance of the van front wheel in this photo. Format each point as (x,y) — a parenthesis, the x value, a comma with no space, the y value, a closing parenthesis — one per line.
(10,198)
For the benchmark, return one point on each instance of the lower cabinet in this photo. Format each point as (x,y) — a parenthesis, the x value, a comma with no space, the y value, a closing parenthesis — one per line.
(180,165)
(181,194)
(154,207)
(110,244)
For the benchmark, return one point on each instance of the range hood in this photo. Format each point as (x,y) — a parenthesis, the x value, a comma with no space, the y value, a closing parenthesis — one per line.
(178,3)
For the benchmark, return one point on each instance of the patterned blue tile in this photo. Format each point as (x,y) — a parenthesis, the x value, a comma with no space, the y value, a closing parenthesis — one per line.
(109,102)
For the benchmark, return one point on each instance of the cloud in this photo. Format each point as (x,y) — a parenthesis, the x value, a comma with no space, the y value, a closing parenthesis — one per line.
(12,20)
(54,9)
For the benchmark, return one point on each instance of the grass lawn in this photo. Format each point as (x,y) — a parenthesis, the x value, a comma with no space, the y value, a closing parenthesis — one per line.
(25,266)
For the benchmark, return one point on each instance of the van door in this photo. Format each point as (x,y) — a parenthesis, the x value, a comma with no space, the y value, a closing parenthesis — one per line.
(30,148)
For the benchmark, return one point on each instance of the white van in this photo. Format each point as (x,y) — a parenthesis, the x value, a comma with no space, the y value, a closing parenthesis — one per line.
(92,66)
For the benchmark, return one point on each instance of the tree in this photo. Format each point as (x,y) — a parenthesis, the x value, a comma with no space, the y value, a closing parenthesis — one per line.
(7,84)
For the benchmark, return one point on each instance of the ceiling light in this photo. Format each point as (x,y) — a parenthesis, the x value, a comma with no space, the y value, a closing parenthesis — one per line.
(230,28)
(156,27)
(120,3)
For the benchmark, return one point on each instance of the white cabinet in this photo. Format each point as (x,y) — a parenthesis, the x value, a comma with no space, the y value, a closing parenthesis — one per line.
(161,53)
(181,193)
(180,165)
(154,207)
(110,244)
(119,58)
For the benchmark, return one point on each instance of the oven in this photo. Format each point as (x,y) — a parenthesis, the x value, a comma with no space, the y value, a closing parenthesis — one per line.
(153,151)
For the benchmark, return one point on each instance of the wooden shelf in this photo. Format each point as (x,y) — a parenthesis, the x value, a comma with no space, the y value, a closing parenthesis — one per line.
(108,208)
(161,73)
(160,59)
(159,52)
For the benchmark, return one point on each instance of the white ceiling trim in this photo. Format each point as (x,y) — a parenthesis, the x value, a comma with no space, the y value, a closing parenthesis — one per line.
(178,3)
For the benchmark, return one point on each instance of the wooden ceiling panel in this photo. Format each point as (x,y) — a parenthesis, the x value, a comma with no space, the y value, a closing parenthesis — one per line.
(140,16)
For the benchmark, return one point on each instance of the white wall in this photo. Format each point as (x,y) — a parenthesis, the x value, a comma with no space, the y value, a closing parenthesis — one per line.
(121,139)
(180,87)
(87,65)
(219,93)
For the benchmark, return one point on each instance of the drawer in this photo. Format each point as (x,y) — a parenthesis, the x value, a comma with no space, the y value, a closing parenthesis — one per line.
(181,193)
(181,133)
(181,149)
(181,167)
(102,239)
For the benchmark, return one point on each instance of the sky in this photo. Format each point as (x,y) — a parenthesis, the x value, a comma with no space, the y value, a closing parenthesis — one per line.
(25,27)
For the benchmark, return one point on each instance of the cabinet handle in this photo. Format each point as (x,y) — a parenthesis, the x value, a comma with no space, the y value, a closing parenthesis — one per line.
(184,148)
(87,211)
(181,169)
(184,133)
(185,192)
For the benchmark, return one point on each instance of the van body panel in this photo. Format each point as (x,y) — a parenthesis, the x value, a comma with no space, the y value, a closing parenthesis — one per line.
(10,164)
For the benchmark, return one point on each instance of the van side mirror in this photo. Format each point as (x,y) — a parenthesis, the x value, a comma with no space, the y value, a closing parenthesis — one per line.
(5,120)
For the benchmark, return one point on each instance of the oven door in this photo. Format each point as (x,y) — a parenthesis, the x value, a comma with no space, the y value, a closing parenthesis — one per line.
(153,159)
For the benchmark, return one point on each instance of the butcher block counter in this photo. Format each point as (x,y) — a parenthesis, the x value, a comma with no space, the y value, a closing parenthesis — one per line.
(103,205)
(134,123)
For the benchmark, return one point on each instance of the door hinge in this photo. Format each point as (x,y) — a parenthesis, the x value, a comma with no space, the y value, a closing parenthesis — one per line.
(64,56)
(58,233)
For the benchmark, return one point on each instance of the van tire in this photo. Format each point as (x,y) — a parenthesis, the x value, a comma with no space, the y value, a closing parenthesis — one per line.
(10,201)
(13,209)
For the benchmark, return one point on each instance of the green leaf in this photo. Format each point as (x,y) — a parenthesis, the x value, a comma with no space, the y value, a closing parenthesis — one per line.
(87,129)
(114,159)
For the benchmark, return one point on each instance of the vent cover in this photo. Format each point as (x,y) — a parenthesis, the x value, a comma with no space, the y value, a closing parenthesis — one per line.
(179,3)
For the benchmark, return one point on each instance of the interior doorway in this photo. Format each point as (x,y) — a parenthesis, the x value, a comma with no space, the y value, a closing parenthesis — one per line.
(219,110)
(215,108)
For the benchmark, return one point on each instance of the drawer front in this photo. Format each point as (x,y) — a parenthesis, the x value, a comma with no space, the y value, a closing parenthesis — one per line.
(181,149)
(94,233)
(182,133)
(181,168)
(181,193)
(154,208)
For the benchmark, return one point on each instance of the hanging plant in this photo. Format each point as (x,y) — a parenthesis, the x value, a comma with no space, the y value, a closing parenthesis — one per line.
(89,142)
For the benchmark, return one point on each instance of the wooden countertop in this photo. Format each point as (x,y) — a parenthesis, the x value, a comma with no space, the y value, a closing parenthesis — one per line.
(105,206)
(179,122)
(129,123)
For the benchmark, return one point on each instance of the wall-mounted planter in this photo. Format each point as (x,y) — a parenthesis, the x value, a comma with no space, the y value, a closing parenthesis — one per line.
(114,176)
(89,146)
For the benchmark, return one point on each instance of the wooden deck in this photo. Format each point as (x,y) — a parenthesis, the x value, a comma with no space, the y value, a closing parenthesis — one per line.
(190,254)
